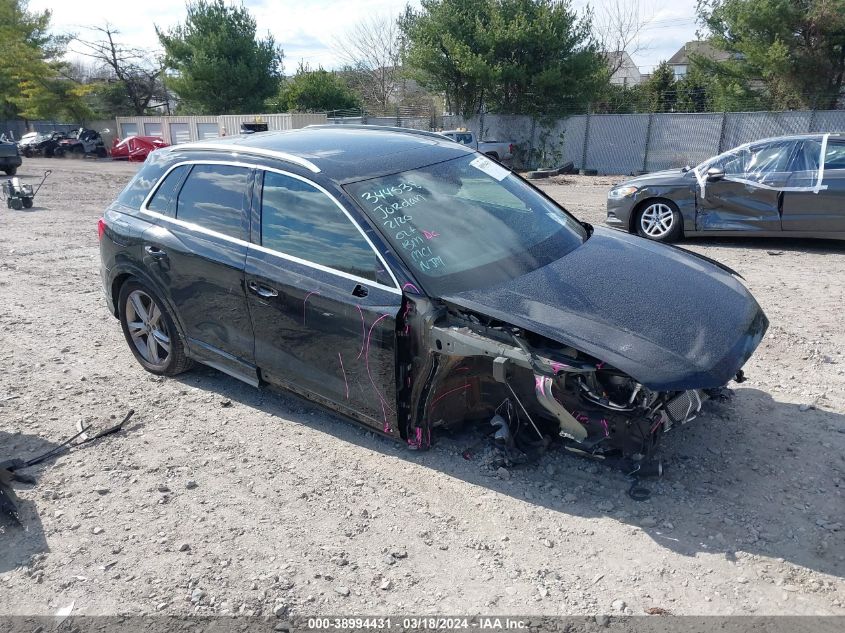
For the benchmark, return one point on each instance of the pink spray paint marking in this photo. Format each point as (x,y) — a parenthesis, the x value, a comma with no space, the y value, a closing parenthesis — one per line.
(305,301)
(416,441)
(346,382)
(363,332)
(656,425)
(606,430)
(430,235)
(443,395)
(369,373)
(410,285)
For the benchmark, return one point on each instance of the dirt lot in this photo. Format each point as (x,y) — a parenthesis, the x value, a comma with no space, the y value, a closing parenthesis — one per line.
(221,498)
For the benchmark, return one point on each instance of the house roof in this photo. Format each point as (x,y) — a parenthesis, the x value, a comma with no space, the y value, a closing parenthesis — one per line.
(700,48)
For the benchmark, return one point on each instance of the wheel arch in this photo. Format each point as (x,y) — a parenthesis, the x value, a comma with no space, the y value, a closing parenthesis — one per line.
(642,204)
(132,273)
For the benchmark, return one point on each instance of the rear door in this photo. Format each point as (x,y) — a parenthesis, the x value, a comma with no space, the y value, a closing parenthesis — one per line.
(197,251)
(817,208)
(749,197)
(323,305)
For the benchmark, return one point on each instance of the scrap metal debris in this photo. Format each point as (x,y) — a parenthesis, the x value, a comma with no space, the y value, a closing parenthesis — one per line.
(9,469)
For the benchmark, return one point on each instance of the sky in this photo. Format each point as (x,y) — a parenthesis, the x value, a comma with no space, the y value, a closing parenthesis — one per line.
(308,29)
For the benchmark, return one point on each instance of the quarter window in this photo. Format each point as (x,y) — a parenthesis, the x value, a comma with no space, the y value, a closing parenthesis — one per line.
(834,157)
(214,197)
(300,220)
(165,195)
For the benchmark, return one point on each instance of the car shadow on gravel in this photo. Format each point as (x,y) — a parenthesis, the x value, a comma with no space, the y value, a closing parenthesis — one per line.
(771,246)
(20,541)
(749,476)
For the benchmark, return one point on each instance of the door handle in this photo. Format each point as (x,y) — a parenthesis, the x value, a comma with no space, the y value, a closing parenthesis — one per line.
(360,291)
(262,291)
(155,252)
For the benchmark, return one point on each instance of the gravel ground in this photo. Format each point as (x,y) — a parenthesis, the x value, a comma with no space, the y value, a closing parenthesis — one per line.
(220,498)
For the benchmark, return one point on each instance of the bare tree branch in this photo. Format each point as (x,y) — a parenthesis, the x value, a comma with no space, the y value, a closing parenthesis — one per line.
(618,28)
(137,69)
(372,51)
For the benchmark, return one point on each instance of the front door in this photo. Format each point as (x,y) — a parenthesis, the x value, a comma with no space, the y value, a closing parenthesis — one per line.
(749,196)
(324,320)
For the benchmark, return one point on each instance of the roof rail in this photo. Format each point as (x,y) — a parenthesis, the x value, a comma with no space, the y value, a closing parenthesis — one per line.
(229,146)
(378,128)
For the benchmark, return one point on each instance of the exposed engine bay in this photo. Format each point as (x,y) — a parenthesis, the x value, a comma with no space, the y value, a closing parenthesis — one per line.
(526,386)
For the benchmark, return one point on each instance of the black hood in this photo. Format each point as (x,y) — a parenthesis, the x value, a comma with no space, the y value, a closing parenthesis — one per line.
(665,317)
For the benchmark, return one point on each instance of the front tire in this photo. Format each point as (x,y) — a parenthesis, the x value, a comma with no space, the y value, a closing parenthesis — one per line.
(150,331)
(659,220)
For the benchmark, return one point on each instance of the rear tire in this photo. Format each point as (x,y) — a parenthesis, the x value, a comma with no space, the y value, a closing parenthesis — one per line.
(27,203)
(150,331)
(11,171)
(659,220)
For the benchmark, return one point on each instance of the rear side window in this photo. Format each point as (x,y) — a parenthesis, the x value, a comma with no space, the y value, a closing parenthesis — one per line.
(139,187)
(215,198)
(300,220)
(165,196)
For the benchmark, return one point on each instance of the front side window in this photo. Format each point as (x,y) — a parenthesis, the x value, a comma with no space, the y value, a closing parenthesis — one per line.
(298,219)
(467,223)
(214,197)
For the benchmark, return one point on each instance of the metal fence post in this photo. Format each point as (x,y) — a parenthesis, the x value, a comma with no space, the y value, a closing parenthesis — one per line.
(812,124)
(722,132)
(647,141)
(531,164)
(586,141)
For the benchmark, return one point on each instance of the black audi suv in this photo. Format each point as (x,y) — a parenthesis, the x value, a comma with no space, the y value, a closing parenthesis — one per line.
(409,282)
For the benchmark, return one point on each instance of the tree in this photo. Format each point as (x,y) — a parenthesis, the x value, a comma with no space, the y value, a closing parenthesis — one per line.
(129,78)
(446,50)
(31,83)
(517,56)
(218,64)
(372,52)
(618,27)
(659,92)
(794,49)
(315,91)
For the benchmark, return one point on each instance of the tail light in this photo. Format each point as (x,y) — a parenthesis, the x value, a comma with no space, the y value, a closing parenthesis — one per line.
(101,228)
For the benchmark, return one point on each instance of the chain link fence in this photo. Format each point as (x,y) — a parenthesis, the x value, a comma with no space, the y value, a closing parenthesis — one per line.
(621,143)
(636,143)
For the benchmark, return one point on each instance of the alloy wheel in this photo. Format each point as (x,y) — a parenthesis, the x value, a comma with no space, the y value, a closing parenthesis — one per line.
(147,328)
(657,220)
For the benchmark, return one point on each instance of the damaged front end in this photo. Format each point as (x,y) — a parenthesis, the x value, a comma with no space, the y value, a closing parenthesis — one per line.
(463,366)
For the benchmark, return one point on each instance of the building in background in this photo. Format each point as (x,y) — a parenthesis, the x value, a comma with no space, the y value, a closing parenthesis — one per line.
(624,71)
(681,60)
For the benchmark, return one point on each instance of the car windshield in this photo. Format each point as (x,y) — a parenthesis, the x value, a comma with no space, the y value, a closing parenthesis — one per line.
(467,223)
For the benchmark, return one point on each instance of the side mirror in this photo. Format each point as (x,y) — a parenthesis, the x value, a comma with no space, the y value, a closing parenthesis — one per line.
(715,174)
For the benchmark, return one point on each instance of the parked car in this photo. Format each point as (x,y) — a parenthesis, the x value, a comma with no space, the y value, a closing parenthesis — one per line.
(787,186)
(409,282)
(82,142)
(502,151)
(10,157)
(40,144)
(136,148)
